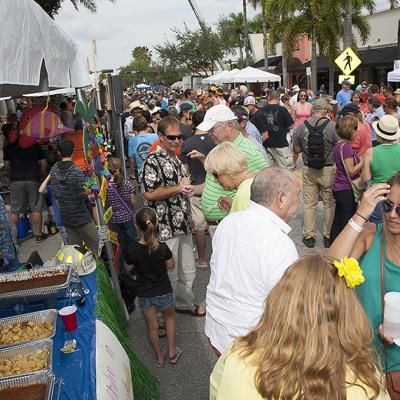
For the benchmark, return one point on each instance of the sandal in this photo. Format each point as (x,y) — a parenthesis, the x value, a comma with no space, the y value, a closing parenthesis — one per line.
(173,360)
(193,313)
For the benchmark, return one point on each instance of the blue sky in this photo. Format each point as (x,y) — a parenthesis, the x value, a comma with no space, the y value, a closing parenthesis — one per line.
(119,27)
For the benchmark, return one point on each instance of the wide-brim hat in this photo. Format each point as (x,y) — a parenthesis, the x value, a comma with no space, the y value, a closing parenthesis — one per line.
(387,127)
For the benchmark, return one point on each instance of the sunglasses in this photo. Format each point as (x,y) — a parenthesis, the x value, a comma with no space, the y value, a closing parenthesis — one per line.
(388,206)
(173,137)
(215,175)
(303,97)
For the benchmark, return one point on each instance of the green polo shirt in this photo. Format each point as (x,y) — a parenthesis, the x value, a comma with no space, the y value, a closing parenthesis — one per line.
(213,190)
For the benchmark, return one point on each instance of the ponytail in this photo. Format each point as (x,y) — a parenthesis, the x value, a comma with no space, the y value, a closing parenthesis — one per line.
(115,165)
(146,220)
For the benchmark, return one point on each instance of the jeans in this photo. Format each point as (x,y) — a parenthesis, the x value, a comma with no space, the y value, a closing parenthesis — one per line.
(345,208)
(126,232)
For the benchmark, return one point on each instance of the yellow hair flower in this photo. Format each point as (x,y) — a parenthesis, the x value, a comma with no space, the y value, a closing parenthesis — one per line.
(350,269)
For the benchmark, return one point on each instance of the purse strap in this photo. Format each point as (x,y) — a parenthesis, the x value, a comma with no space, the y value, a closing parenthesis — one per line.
(110,185)
(383,292)
(344,165)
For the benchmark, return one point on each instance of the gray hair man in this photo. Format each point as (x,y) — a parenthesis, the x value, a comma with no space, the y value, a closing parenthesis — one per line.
(251,251)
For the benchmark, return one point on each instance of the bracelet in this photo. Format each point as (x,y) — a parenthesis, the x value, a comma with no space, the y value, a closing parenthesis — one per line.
(361,216)
(355,226)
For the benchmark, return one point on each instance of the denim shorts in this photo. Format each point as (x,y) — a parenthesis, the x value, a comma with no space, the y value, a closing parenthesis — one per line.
(159,302)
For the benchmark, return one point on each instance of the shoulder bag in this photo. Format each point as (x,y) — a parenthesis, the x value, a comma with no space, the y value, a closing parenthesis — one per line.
(392,378)
(358,185)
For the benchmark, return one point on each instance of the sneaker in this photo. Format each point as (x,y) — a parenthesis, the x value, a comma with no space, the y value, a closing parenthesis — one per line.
(327,242)
(39,239)
(309,242)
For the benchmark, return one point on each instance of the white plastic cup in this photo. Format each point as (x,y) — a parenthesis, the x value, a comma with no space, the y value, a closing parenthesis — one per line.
(391,321)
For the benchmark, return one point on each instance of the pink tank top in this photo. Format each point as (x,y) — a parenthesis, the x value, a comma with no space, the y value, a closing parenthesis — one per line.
(302,114)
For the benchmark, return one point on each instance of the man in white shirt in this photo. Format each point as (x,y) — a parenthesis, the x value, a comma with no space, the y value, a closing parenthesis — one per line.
(251,251)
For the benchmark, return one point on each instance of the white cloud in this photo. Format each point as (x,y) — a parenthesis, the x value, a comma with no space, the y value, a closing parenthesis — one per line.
(119,27)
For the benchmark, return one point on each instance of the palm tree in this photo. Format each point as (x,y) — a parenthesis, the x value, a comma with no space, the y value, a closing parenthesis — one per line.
(264,24)
(52,7)
(246,33)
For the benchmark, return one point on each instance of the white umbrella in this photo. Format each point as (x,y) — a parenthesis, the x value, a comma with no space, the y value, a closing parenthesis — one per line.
(36,54)
(143,86)
(250,74)
(394,76)
(66,91)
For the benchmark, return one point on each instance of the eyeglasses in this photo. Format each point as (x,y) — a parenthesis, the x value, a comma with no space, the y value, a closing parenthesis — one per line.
(388,206)
(173,137)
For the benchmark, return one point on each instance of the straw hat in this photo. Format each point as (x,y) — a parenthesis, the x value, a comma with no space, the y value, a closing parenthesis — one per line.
(387,128)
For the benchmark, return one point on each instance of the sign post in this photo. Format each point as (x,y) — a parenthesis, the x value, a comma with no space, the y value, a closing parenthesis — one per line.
(348,61)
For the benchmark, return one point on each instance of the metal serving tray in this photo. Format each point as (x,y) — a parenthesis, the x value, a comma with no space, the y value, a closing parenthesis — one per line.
(37,317)
(37,294)
(24,350)
(27,380)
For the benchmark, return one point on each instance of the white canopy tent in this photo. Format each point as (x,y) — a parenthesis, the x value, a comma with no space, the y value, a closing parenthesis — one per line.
(252,75)
(394,76)
(214,78)
(36,54)
(229,75)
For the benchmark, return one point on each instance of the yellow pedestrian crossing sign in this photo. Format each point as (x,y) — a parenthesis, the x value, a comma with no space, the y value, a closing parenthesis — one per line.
(348,61)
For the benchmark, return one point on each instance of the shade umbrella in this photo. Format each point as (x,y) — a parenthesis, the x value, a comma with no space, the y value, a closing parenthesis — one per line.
(143,86)
(252,75)
(394,76)
(36,53)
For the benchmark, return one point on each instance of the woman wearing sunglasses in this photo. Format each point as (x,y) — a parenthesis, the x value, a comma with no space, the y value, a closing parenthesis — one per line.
(378,249)
(302,111)
(383,161)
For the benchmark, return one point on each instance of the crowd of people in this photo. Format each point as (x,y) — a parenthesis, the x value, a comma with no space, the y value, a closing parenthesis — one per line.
(223,163)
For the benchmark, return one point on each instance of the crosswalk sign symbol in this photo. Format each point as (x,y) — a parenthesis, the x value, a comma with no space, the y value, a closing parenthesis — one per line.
(348,61)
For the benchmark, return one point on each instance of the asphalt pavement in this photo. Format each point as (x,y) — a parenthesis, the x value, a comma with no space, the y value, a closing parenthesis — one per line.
(189,378)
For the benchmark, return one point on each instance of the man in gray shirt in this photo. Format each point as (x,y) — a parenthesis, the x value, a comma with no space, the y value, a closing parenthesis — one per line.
(317,183)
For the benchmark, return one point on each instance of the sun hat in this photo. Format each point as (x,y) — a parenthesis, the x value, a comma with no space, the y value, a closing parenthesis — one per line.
(387,127)
(135,104)
(249,100)
(215,114)
(397,91)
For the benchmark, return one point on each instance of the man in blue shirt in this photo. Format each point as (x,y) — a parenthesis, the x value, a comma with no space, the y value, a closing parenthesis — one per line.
(343,97)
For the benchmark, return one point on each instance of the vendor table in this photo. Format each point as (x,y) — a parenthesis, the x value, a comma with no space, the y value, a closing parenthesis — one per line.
(76,372)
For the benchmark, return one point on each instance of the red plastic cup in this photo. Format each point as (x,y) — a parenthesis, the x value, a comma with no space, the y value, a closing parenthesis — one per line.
(68,315)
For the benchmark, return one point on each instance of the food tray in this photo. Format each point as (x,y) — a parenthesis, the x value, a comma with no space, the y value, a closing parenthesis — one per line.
(24,350)
(36,294)
(38,317)
(26,380)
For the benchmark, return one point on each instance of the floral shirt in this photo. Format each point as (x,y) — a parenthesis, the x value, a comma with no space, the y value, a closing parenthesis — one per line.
(162,170)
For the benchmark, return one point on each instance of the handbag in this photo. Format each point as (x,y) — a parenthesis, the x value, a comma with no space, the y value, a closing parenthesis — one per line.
(392,378)
(358,185)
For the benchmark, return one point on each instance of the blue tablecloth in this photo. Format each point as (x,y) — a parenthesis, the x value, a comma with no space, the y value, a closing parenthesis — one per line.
(76,372)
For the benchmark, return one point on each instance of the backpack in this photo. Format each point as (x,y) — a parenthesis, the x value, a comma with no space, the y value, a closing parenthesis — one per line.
(316,144)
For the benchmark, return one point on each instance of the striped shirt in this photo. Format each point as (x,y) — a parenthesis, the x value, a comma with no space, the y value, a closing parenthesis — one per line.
(213,190)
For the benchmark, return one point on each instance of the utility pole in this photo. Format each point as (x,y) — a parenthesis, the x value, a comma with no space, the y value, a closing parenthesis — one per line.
(246,33)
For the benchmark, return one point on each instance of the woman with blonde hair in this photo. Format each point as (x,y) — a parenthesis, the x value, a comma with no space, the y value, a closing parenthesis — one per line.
(229,168)
(313,341)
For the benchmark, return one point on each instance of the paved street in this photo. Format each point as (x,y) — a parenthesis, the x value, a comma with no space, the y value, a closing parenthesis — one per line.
(188,380)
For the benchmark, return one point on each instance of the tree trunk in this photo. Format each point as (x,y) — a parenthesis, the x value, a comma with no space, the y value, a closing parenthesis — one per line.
(331,78)
(246,33)
(284,68)
(348,23)
(265,34)
(314,62)
(241,56)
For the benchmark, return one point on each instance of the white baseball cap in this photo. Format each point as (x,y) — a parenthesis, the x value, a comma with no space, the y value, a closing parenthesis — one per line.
(249,100)
(215,114)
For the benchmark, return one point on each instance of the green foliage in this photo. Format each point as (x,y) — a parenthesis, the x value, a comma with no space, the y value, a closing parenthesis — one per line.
(197,51)
(52,7)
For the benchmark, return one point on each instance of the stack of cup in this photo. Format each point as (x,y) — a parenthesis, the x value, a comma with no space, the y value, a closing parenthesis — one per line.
(391,321)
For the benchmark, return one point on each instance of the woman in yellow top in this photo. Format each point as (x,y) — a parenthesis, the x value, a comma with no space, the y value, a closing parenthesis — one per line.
(313,341)
(229,168)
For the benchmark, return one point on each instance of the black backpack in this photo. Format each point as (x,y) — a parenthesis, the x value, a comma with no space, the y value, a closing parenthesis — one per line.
(316,144)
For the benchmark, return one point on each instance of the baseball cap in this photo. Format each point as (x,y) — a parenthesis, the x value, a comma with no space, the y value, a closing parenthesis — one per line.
(249,100)
(346,82)
(215,114)
(135,104)
(320,105)
(351,108)
(397,91)
(185,107)
(296,88)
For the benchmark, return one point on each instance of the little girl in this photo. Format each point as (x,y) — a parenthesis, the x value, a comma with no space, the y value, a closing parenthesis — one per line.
(152,259)
(120,195)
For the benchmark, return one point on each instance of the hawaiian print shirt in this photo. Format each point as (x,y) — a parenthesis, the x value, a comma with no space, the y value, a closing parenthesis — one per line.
(162,170)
